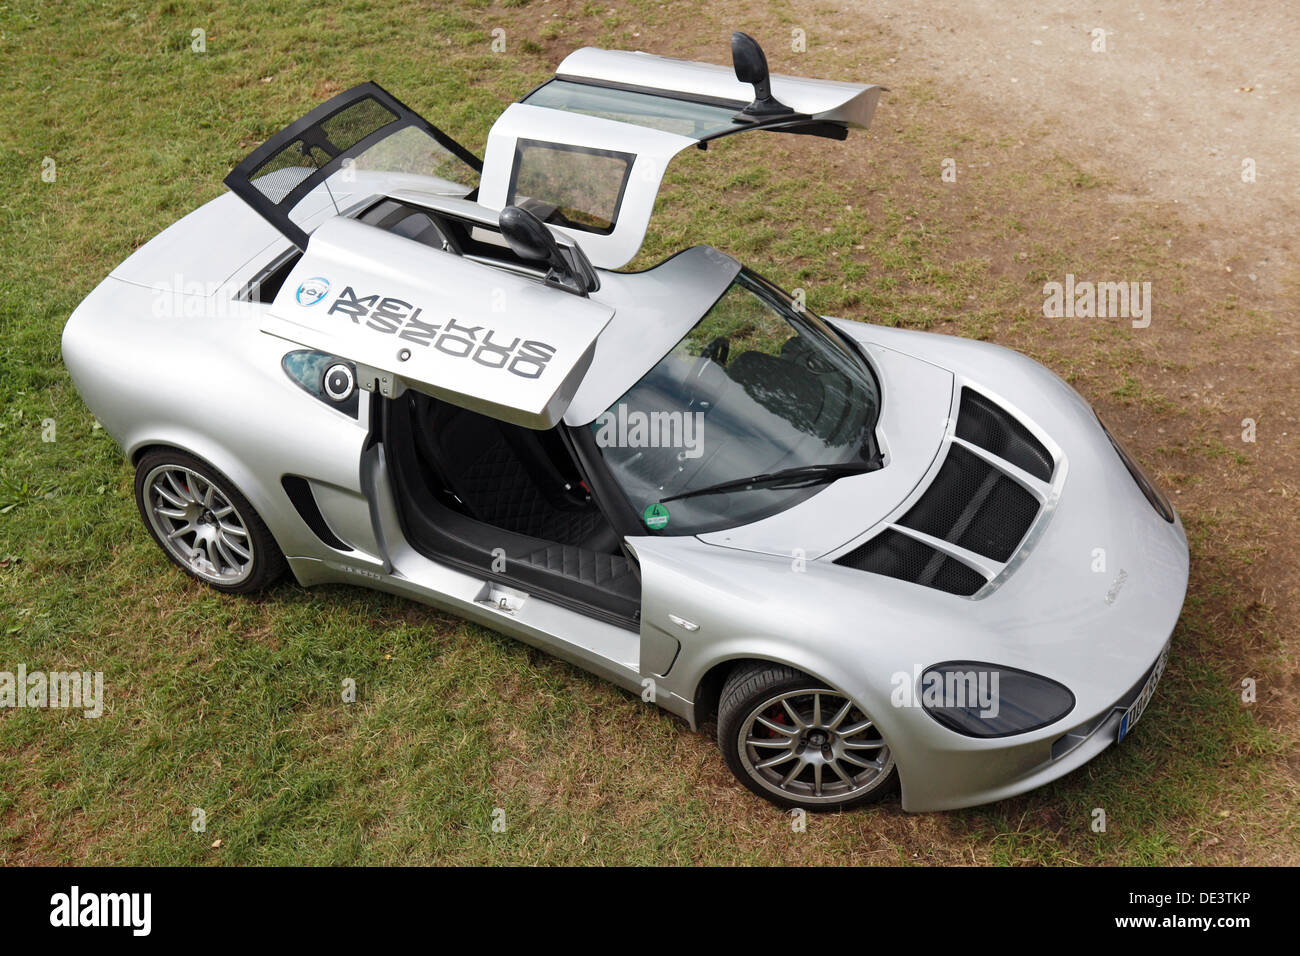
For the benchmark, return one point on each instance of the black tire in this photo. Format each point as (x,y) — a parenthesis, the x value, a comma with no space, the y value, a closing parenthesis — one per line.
(744,695)
(266,562)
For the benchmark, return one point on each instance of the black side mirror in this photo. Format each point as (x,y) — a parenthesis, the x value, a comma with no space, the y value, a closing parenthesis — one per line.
(751,67)
(529,239)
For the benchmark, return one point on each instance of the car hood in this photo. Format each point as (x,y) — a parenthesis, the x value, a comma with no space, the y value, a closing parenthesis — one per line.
(1097,551)
(917,399)
(1088,597)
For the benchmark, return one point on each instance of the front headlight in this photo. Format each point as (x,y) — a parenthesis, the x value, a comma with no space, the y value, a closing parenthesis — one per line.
(984,700)
(1153,494)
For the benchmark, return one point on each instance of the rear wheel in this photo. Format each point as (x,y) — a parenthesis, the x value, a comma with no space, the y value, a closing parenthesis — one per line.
(204,524)
(798,743)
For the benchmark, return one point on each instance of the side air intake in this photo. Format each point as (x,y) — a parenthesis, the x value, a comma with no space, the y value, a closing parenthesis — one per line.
(304,502)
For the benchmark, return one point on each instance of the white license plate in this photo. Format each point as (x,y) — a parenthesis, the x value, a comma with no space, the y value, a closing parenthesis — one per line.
(1134,712)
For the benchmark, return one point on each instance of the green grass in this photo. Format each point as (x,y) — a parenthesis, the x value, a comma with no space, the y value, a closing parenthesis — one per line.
(235,706)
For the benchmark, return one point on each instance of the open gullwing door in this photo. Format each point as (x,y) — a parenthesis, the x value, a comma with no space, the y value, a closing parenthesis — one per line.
(410,316)
(586,151)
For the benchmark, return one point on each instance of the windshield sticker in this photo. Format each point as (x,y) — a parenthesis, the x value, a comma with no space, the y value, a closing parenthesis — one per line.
(656,517)
(390,316)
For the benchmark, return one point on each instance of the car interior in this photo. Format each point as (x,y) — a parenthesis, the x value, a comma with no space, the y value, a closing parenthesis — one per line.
(473,490)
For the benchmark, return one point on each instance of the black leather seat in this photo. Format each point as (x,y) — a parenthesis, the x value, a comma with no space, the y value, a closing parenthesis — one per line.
(470,489)
(506,476)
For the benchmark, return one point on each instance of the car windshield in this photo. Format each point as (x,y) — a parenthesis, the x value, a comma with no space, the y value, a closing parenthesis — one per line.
(757,386)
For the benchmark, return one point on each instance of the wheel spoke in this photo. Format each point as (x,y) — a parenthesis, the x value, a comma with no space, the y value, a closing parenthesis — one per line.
(185,496)
(768,742)
(864,764)
(792,714)
(176,501)
(214,555)
(223,549)
(839,772)
(798,768)
(775,727)
(176,514)
(236,548)
(817,710)
(840,715)
(773,761)
(172,536)
(862,744)
(817,779)
(854,729)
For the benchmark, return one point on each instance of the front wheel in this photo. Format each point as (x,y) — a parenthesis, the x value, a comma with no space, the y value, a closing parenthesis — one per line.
(204,524)
(798,743)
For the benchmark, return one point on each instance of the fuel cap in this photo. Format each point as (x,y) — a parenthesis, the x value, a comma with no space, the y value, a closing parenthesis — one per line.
(338,382)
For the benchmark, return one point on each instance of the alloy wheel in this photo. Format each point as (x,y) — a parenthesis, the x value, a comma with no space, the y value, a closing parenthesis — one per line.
(198,525)
(814,746)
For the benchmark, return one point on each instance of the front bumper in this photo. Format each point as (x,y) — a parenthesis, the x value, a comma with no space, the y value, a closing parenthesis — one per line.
(1014,765)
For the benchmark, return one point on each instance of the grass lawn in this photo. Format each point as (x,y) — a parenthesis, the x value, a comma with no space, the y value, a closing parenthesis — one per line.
(233,705)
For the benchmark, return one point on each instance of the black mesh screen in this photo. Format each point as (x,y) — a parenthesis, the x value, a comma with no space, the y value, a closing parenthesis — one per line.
(1000,521)
(286,169)
(276,176)
(366,124)
(974,506)
(350,126)
(983,423)
(898,556)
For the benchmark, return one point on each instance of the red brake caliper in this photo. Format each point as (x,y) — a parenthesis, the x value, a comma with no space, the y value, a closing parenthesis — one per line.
(777,715)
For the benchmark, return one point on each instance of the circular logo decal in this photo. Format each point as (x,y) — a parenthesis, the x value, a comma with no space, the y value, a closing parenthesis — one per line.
(312,291)
(655,517)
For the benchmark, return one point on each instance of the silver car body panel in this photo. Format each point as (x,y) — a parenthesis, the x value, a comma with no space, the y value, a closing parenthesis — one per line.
(771,591)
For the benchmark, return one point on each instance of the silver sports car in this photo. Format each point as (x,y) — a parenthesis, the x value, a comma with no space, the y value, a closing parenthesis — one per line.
(878,558)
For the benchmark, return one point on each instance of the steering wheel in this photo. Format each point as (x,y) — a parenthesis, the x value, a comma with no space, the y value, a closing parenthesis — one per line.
(715,351)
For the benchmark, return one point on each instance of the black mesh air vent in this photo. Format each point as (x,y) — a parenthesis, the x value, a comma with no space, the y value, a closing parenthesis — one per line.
(975,506)
(299,491)
(899,556)
(982,423)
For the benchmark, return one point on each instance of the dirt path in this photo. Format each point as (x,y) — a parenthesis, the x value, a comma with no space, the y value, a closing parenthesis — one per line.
(1181,96)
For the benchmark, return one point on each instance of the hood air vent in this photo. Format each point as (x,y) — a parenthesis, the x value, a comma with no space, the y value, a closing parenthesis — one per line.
(974,506)
(982,423)
(899,556)
(971,504)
